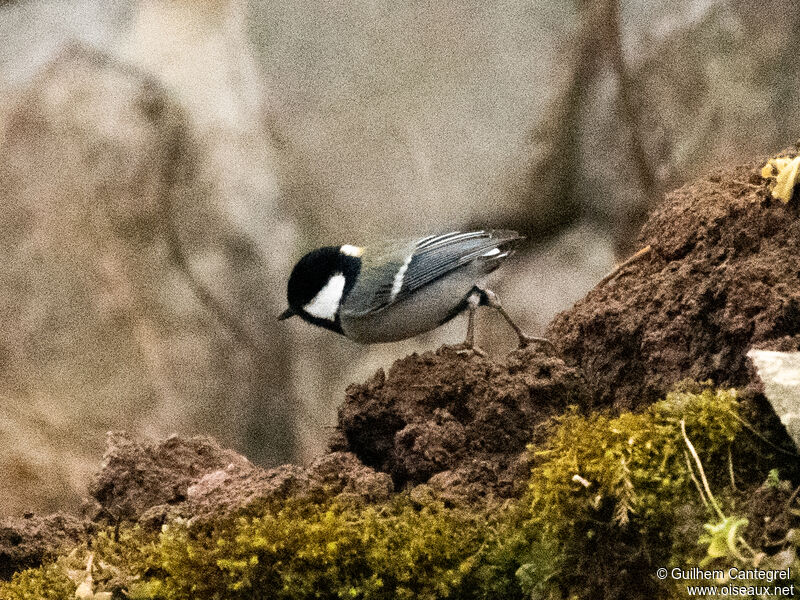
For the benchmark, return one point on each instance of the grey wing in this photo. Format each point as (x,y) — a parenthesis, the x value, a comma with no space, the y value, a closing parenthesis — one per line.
(429,259)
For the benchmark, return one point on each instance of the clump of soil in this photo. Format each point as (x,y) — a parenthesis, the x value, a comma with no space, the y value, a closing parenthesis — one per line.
(240,487)
(769,516)
(149,482)
(457,422)
(194,478)
(136,475)
(28,541)
(722,276)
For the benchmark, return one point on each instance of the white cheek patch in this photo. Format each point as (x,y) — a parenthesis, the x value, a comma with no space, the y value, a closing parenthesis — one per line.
(397,284)
(349,250)
(325,304)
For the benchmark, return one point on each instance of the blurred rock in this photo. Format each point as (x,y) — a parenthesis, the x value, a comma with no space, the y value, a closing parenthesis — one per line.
(81,169)
(109,323)
(714,81)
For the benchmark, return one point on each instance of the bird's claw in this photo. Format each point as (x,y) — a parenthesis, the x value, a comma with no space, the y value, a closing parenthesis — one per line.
(467,349)
(528,340)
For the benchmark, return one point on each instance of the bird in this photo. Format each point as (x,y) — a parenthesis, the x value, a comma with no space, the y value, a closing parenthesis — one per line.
(399,289)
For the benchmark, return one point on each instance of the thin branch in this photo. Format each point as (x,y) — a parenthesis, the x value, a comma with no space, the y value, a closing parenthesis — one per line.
(180,260)
(696,482)
(635,258)
(761,436)
(730,468)
(792,497)
(701,471)
(559,131)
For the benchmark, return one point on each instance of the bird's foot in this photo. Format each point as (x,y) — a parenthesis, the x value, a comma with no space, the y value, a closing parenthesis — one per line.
(469,349)
(528,340)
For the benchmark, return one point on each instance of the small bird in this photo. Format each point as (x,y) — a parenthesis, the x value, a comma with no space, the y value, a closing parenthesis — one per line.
(400,289)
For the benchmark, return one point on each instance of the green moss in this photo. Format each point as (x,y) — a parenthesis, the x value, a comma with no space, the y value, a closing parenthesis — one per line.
(637,462)
(302,549)
(320,550)
(614,487)
(45,583)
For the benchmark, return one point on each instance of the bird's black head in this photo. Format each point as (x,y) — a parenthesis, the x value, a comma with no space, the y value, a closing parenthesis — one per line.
(320,282)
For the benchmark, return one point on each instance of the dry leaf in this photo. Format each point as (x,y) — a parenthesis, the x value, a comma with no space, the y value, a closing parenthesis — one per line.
(785,172)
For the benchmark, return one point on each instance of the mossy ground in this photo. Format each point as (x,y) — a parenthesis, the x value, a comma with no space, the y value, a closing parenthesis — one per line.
(610,500)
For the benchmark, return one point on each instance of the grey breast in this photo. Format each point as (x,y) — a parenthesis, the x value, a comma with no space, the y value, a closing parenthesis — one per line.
(424,310)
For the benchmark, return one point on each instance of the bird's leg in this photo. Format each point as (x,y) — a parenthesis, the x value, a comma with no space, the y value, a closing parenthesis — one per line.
(525,340)
(473,302)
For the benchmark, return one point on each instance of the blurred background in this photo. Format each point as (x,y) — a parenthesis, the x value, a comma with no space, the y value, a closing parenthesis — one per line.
(163,163)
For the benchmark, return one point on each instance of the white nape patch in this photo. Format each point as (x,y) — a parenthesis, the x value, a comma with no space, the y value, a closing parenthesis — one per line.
(397,284)
(492,252)
(349,250)
(325,304)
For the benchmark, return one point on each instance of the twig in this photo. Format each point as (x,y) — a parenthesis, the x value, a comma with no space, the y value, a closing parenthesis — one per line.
(711,498)
(696,482)
(760,436)
(636,257)
(583,481)
(792,497)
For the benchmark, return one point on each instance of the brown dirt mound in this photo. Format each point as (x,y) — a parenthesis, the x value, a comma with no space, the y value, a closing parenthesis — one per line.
(196,478)
(723,276)
(136,475)
(239,487)
(26,542)
(458,422)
